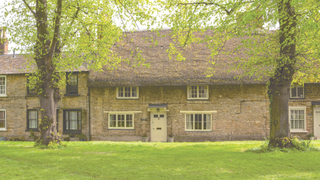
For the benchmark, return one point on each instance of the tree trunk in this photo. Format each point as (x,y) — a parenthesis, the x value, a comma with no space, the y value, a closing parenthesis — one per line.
(45,51)
(279,119)
(48,102)
(279,87)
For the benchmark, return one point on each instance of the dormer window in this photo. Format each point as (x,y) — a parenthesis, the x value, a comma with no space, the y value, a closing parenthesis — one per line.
(127,92)
(297,92)
(198,92)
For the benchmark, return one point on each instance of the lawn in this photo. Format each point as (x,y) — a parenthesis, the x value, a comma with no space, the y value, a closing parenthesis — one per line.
(137,160)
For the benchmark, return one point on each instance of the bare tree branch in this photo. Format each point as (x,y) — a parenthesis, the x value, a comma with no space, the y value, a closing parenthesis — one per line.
(216,4)
(129,14)
(28,6)
(75,14)
(56,29)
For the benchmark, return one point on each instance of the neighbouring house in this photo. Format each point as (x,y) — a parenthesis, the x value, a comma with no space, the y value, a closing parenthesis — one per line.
(169,98)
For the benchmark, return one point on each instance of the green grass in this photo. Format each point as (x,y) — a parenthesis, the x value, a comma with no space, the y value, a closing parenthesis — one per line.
(137,160)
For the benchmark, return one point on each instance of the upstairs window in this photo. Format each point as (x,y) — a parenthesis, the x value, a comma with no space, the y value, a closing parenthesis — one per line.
(31,88)
(127,92)
(72,84)
(198,92)
(3,84)
(297,92)
(32,119)
(3,122)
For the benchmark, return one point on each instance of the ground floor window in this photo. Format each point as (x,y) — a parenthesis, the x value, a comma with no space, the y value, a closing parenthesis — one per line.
(198,122)
(121,121)
(3,123)
(32,119)
(71,121)
(297,118)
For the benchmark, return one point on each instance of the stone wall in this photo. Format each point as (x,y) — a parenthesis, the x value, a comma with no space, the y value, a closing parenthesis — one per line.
(311,93)
(242,112)
(17,102)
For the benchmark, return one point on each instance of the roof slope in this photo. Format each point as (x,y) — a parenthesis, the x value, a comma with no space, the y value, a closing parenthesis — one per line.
(13,65)
(170,72)
(163,71)
(18,65)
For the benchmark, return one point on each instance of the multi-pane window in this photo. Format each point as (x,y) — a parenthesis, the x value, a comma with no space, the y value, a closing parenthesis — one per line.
(297,92)
(198,122)
(127,92)
(32,119)
(31,88)
(297,118)
(198,92)
(72,83)
(72,121)
(3,82)
(121,121)
(3,123)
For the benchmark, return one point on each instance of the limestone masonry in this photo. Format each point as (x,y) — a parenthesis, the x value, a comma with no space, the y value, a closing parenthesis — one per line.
(169,99)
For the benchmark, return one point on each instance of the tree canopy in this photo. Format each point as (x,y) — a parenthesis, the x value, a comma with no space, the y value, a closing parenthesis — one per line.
(258,24)
(279,37)
(60,36)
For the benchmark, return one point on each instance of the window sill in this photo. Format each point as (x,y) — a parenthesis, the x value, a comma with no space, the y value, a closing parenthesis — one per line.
(120,129)
(35,130)
(3,130)
(197,131)
(72,132)
(32,95)
(296,98)
(72,95)
(127,98)
(3,96)
(197,99)
(299,131)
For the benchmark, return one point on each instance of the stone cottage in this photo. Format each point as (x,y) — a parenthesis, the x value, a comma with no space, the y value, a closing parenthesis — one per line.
(169,98)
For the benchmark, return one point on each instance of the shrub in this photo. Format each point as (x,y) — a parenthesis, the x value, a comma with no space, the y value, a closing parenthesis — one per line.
(82,136)
(66,139)
(286,144)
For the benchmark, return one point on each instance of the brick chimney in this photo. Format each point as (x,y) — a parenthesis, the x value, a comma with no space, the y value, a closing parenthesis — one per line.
(3,41)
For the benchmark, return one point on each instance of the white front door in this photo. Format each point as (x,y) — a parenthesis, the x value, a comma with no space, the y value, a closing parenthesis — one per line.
(317,122)
(158,127)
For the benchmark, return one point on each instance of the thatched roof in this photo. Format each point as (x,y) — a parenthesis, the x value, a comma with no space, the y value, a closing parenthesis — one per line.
(10,64)
(162,71)
(169,72)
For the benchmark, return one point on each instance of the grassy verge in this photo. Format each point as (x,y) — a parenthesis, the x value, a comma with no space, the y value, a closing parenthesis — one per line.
(136,160)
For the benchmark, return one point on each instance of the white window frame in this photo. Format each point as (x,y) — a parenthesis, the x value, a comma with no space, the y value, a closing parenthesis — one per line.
(296,87)
(305,118)
(5,85)
(122,113)
(190,98)
(5,120)
(197,112)
(117,92)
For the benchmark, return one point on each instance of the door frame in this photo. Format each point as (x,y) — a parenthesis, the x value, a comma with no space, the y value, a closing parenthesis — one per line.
(314,119)
(165,117)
